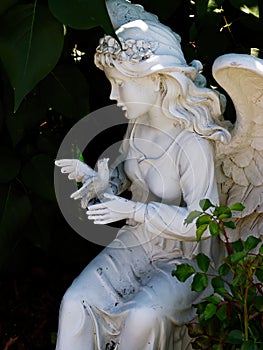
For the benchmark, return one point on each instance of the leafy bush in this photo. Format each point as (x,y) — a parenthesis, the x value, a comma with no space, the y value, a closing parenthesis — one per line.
(232,316)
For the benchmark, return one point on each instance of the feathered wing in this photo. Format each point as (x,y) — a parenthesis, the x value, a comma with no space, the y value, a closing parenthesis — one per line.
(240,163)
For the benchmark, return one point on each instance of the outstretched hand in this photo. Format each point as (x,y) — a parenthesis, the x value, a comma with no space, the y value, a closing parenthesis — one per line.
(76,169)
(94,183)
(114,209)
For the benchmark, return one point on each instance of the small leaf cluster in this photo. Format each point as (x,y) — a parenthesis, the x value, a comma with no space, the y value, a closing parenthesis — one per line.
(232,316)
(215,220)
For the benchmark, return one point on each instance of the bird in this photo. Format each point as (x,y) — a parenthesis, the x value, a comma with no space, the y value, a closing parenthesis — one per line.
(95,184)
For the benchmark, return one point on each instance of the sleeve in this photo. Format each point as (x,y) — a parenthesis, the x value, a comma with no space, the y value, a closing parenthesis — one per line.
(195,162)
(118,179)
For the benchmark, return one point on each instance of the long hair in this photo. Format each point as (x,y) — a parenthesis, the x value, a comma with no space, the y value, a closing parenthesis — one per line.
(196,108)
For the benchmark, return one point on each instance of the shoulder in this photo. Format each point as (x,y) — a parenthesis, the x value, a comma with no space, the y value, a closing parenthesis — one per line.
(191,141)
(195,150)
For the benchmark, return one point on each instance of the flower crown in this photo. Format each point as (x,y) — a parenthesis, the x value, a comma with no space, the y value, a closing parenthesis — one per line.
(130,49)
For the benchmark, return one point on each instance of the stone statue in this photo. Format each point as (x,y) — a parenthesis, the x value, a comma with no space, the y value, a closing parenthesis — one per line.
(126,297)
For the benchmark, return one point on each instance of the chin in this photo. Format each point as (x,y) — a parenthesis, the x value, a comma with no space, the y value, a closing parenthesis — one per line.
(129,116)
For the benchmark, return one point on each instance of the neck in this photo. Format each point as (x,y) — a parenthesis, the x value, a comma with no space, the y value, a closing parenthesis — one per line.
(158,120)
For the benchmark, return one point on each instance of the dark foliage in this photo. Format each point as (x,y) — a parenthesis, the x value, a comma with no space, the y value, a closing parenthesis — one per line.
(50,86)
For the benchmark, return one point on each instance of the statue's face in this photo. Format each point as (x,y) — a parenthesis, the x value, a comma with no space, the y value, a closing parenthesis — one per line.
(135,96)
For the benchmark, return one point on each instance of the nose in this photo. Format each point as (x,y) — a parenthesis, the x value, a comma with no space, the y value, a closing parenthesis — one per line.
(114,95)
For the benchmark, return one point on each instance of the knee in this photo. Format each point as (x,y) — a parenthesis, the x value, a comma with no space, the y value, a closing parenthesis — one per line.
(73,311)
(71,299)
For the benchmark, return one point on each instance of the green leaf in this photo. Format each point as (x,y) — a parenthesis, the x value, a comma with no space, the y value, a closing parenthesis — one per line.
(223,269)
(82,14)
(203,262)
(235,258)
(183,272)
(248,7)
(200,282)
(214,228)
(226,215)
(221,312)
(66,91)
(37,174)
(213,299)
(258,302)
(201,7)
(238,245)
(261,249)
(9,163)
(219,286)
(230,224)
(217,282)
(210,311)
(199,232)
(205,204)
(236,282)
(192,216)
(235,337)
(203,219)
(221,210)
(249,345)
(221,291)
(259,273)
(30,50)
(237,207)
(251,243)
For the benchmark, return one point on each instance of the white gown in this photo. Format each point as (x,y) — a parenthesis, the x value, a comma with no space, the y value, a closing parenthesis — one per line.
(126,298)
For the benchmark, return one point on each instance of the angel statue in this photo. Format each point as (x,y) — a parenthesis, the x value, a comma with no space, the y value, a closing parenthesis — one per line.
(177,150)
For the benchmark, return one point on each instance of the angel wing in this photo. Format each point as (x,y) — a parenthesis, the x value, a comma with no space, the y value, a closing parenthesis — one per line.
(239,165)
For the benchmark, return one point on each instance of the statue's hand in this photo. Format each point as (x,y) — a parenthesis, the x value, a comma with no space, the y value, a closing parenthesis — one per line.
(115,209)
(94,183)
(76,169)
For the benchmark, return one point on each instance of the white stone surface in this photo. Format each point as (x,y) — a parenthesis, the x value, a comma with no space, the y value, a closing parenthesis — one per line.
(126,297)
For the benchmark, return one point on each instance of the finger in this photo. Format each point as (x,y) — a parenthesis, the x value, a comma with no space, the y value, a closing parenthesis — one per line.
(73,176)
(98,212)
(104,222)
(64,162)
(67,169)
(99,217)
(98,206)
(78,194)
(84,202)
